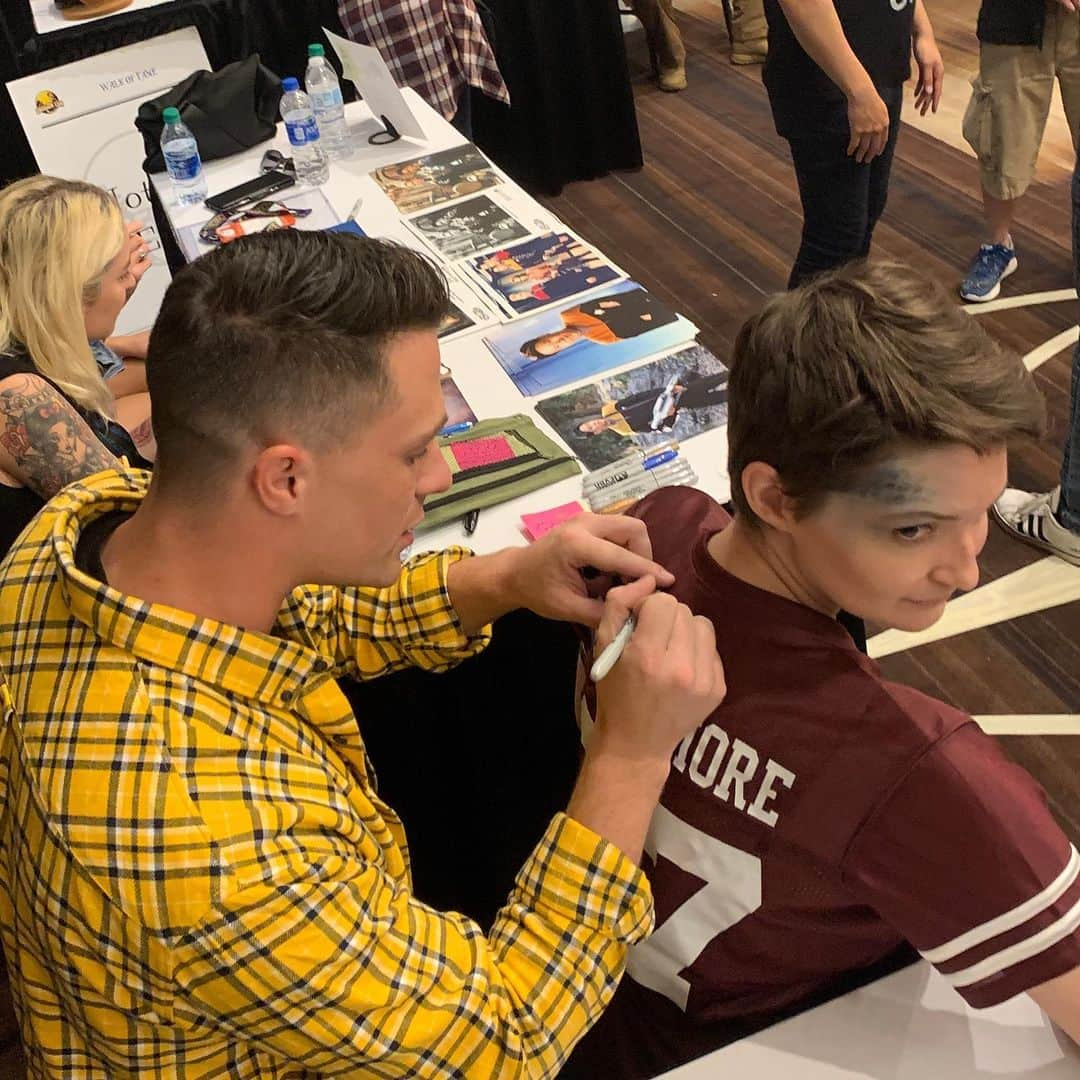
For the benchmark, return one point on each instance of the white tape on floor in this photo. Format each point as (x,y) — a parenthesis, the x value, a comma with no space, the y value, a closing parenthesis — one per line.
(1057,296)
(1030,725)
(1044,584)
(1049,349)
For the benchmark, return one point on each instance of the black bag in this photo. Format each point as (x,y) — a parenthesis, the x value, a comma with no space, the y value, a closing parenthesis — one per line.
(227,111)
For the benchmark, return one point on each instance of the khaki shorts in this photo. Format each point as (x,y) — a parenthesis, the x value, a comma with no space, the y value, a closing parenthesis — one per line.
(1010,102)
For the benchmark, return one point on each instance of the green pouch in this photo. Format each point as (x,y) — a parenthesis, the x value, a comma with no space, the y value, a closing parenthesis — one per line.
(536,461)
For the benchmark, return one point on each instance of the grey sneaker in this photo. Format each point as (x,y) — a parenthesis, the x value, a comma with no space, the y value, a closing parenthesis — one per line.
(1030,517)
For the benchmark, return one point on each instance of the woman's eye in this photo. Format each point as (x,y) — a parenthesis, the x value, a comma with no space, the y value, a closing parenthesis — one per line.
(912,532)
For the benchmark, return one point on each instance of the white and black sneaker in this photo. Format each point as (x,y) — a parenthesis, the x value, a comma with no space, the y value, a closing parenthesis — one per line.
(1031,518)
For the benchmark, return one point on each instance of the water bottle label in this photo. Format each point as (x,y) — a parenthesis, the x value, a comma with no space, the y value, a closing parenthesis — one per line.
(302,132)
(184,166)
(327,99)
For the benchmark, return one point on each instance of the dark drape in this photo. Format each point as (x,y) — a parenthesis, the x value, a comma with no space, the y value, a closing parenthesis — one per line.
(478,760)
(572,116)
(572,107)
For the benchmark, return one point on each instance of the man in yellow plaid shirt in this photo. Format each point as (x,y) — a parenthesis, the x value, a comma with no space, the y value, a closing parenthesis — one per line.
(197,877)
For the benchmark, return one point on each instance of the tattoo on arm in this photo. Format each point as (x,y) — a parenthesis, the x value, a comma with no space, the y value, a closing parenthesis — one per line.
(142,433)
(49,443)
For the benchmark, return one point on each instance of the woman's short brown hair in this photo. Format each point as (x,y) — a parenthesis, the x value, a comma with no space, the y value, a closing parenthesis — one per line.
(831,377)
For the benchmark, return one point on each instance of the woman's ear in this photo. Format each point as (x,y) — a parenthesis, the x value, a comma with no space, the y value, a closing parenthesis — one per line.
(764,493)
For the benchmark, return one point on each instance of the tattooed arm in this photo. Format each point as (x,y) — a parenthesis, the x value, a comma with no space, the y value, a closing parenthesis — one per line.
(44,443)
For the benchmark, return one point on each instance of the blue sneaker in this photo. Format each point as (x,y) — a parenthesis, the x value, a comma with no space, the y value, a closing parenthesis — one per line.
(992,265)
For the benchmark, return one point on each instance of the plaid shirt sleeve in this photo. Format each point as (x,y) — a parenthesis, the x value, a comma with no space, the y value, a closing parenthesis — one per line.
(372,632)
(437,47)
(338,966)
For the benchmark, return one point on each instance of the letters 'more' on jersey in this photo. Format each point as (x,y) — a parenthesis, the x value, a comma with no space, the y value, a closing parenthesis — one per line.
(822,815)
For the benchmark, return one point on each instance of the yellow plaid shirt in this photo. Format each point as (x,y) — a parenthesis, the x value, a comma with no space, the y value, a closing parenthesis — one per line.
(197,878)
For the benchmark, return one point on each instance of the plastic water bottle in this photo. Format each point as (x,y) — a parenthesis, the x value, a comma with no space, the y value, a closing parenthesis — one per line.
(181,153)
(321,83)
(303,129)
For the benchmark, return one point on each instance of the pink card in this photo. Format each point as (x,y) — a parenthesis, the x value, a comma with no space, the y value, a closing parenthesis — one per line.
(538,524)
(472,453)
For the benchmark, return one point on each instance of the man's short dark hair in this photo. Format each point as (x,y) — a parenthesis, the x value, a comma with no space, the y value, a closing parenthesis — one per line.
(280,336)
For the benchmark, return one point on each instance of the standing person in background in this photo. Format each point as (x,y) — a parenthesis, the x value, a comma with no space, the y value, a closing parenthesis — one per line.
(666,48)
(835,75)
(437,47)
(1023,46)
(1051,520)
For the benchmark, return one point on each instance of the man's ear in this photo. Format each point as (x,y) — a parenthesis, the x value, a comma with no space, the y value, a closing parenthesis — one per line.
(765,495)
(281,478)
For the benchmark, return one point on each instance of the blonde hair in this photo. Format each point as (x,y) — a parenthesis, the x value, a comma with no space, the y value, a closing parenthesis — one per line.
(57,238)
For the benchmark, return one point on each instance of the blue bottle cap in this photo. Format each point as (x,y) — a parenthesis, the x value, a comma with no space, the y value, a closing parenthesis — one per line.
(290,84)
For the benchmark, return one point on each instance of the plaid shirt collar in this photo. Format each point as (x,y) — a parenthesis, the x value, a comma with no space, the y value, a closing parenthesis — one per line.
(246,663)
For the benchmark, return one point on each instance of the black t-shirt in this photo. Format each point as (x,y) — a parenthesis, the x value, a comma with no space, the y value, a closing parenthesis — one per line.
(18,505)
(92,541)
(802,95)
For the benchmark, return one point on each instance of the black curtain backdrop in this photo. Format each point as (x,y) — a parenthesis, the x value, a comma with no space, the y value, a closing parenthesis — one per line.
(572,116)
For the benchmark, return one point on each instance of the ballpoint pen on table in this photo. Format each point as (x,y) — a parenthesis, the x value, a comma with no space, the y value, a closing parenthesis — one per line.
(455,429)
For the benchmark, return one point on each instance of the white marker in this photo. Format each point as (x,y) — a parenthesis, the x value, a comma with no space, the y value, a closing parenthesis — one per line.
(610,656)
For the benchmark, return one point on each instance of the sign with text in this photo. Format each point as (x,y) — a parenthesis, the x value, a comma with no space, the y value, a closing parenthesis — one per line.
(80,122)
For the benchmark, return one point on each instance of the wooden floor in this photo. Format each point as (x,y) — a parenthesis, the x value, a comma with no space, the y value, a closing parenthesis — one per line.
(711,224)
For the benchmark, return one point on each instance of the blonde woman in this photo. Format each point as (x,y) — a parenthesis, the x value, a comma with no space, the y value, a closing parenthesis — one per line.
(66,270)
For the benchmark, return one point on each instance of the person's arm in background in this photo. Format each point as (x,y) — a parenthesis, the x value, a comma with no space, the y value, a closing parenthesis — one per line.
(817,28)
(931,67)
(1060,998)
(71,450)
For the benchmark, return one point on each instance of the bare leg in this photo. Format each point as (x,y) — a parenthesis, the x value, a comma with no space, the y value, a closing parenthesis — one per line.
(999,218)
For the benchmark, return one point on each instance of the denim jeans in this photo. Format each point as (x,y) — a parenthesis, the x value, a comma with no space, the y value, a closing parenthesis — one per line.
(1068,511)
(841,199)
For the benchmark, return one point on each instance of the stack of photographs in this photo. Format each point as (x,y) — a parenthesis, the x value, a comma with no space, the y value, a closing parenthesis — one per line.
(621,324)
(540,272)
(465,228)
(434,179)
(567,313)
(674,398)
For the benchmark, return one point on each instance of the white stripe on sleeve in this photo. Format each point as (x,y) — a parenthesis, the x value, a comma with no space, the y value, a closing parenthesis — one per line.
(1021,951)
(1011,919)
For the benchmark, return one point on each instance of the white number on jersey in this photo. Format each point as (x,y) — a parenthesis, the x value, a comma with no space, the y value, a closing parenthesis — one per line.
(732,891)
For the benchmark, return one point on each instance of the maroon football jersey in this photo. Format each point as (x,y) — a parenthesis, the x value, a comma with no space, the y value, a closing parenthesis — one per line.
(821,817)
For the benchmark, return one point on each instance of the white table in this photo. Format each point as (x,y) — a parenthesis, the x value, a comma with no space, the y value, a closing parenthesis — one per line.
(908,1026)
(485,385)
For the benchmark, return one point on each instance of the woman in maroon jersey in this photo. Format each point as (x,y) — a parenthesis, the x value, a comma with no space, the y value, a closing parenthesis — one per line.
(813,825)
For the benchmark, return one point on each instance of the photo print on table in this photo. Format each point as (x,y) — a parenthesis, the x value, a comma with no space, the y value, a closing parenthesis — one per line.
(536,273)
(458,410)
(467,227)
(676,397)
(615,327)
(424,182)
(468,311)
